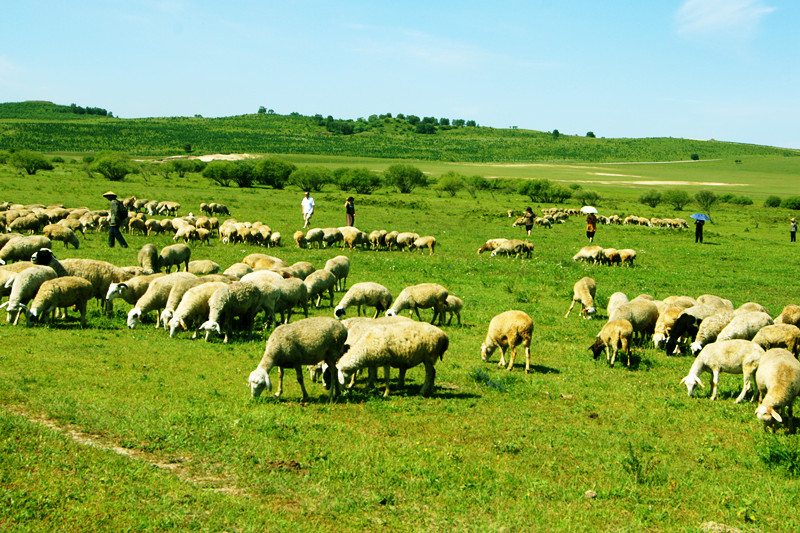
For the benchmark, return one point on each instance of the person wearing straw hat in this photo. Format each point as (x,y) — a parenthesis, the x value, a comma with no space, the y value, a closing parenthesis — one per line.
(116,218)
(350,211)
(793,229)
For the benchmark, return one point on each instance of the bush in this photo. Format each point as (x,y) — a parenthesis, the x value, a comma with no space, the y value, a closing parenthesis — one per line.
(272,171)
(451,183)
(587,197)
(542,190)
(114,166)
(218,172)
(405,178)
(705,199)
(772,201)
(310,178)
(677,199)
(651,198)
(735,200)
(242,173)
(57,159)
(4,157)
(360,180)
(792,202)
(30,161)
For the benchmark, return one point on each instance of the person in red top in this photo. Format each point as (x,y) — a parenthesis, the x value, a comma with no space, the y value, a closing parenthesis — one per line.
(591,226)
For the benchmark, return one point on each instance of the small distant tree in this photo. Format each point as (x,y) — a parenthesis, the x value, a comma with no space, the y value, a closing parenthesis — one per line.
(405,178)
(677,199)
(262,110)
(364,181)
(114,166)
(792,202)
(181,166)
(543,190)
(772,201)
(705,199)
(590,134)
(651,198)
(187,148)
(219,173)
(695,157)
(556,134)
(586,197)
(310,178)
(471,124)
(412,119)
(459,122)
(451,183)
(426,128)
(29,161)
(272,171)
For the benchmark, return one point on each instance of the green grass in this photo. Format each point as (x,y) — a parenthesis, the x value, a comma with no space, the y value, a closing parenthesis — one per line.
(490,451)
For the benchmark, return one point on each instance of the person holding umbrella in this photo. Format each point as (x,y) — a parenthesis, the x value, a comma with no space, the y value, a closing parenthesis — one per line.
(591,221)
(793,229)
(699,222)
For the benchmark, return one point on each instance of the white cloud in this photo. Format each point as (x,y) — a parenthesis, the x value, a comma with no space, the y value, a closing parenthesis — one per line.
(715,17)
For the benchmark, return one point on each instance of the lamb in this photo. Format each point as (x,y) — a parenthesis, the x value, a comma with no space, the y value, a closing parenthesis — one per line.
(508,330)
(789,315)
(641,313)
(317,283)
(745,326)
(305,342)
(592,254)
(242,299)
(709,330)
(339,266)
(491,245)
(57,232)
(405,239)
(402,345)
(779,336)
(203,267)
(59,293)
(735,356)
(615,336)
(175,254)
(131,290)
(21,248)
(367,294)
(778,381)
(453,306)
(614,301)
(583,291)
(194,306)
(24,287)
(155,297)
(422,243)
(422,296)
(148,258)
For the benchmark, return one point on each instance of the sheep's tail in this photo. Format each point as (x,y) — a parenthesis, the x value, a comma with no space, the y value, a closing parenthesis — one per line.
(442,346)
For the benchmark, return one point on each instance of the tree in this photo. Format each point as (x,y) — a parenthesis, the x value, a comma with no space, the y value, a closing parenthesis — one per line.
(360,180)
(451,183)
(471,124)
(587,197)
(542,190)
(405,178)
(242,173)
(412,119)
(310,178)
(556,134)
(114,166)
(218,172)
(590,134)
(695,157)
(273,171)
(29,161)
(426,128)
(181,166)
(675,198)
(187,148)
(651,198)
(772,201)
(262,110)
(705,199)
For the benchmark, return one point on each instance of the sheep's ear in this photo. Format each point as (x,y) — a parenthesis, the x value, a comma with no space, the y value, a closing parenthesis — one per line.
(122,286)
(182,323)
(4,304)
(683,381)
(699,382)
(775,414)
(345,348)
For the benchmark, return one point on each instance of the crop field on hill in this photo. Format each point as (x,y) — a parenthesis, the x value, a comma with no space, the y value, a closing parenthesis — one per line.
(107,428)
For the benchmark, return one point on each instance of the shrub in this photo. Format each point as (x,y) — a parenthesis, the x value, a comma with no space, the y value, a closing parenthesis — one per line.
(772,201)
(675,198)
(360,180)
(542,190)
(651,198)
(30,161)
(57,159)
(405,178)
(792,202)
(114,166)
(272,171)
(4,157)
(705,199)
(310,178)
(451,183)
(218,172)
(242,173)
(735,200)
(587,197)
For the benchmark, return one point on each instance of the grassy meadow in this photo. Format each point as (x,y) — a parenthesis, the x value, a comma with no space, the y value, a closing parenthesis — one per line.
(491,450)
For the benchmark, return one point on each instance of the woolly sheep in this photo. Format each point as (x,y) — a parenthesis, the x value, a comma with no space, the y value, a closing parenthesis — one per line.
(176,293)
(684,302)
(779,336)
(46,257)
(269,276)
(421,296)
(402,345)
(175,254)
(405,239)
(60,293)
(391,239)
(778,382)
(377,239)
(317,283)
(24,287)
(709,330)
(642,314)
(300,269)
(352,237)
(155,297)
(614,301)
(264,261)
(148,258)
(305,342)
(514,247)
(100,274)
(745,326)
(687,324)
(365,294)
(666,319)
(339,266)
(491,244)
(453,306)
(422,243)
(315,235)
(275,239)
(238,270)
(194,306)
(21,248)
(300,239)
(203,267)
(132,289)
(583,291)
(735,356)
(242,299)
(615,336)
(715,301)
(627,256)
(331,236)
(749,307)
(57,232)
(508,330)
(5,237)
(592,254)
(789,315)
(293,293)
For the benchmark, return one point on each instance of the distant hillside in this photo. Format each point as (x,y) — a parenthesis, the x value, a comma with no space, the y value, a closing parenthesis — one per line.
(48,127)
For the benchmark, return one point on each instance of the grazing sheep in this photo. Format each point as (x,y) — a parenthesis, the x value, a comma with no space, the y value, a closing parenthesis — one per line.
(305,342)
(176,293)
(784,336)
(749,307)
(331,236)
(240,299)
(193,307)
(148,258)
(5,237)
(641,313)
(21,248)
(300,269)
(175,254)
(508,330)
(736,356)
(583,291)
(367,294)
(615,336)
(377,239)
(709,330)
(778,381)
(152,226)
(155,297)
(715,301)
(402,345)
(666,319)
(300,239)
(422,243)
(100,274)
(57,232)
(614,301)
(24,286)
(391,239)
(293,293)
(268,276)
(339,266)
(514,247)
(593,254)
(60,293)
(789,315)
(684,302)
(453,306)
(491,245)
(422,296)
(315,235)
(132,289)
(405,239)
(203,267)
(611,256)
(627,256)
(745,326)
(275,239)
(687,324)
(264,261)
(238,270)
(317,283)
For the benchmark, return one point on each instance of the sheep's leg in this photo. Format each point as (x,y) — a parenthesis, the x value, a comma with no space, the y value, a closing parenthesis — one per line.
(527,357)
(430,376)
(613,350)
(386,380)
(714,387)
(401,377)
(458,315)
(745,388)
(512,358)
(570,309)
(416,310)
(359,311)
(627,349)
(502,362)
(280,383)
(330,291)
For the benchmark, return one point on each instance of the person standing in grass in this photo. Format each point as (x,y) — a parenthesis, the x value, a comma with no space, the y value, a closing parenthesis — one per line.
(117,216)
(528,219)
(591,226)
(308,208)
(698,230)
(793,229)
(350,211)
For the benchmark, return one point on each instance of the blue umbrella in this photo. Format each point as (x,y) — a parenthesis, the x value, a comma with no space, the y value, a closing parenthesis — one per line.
(700,216)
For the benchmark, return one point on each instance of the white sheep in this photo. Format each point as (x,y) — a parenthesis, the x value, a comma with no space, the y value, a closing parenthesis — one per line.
(491,245)
(749,307)
(421,296)
(101,274)
(238,270)
(132,289)
(745,326)
(736,356)
(514,247)
(641,313)
(715,301)
(203,267)
(424,242)
(242,299)
(300,239)
(666,319)
(453,306)
(365,294)
(614,301)
(60,293)
(401,345)
(193,307)
(615,336)
(779,336)
(176,293)
(339,266)
(405,239)
(175,254)
(778,381)
(300,269)
(21,248)
(305,342)
(627,256)
(593,254)
(789,315)
(319,282)
(508,330)
(58,232)
(148,258)
(293,293)
(315,235)
(709,330)
(155,297)
(583,291)
(24,286)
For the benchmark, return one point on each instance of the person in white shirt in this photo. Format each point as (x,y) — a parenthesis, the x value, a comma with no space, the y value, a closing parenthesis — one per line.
(308,208)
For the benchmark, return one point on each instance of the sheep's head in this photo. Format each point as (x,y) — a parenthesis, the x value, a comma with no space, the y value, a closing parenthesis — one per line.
(391,312)
(486,351)
(174,324)
(658,340)
(166,316)
(768,415)
(696,347)
(339,312)
(259,380)
(597,348)
(588,312)
(43,256)
(115,290)
(134,317)
(691,381)
(210,326)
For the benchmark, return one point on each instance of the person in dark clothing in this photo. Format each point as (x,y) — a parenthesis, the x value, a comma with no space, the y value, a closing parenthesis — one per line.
(793,229)
(698,230)
(591,226)
(350,211)
(117,217)
(528,218)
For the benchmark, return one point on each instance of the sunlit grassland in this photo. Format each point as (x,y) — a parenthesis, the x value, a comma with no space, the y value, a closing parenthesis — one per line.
(490,451)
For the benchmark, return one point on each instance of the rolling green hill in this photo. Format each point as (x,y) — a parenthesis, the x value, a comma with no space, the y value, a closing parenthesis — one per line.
(48,127)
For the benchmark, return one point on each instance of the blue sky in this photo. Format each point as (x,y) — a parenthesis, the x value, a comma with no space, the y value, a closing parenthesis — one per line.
(721,69)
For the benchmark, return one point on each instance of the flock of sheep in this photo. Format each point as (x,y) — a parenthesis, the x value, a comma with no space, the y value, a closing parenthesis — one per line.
(557,215)
(745,340)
